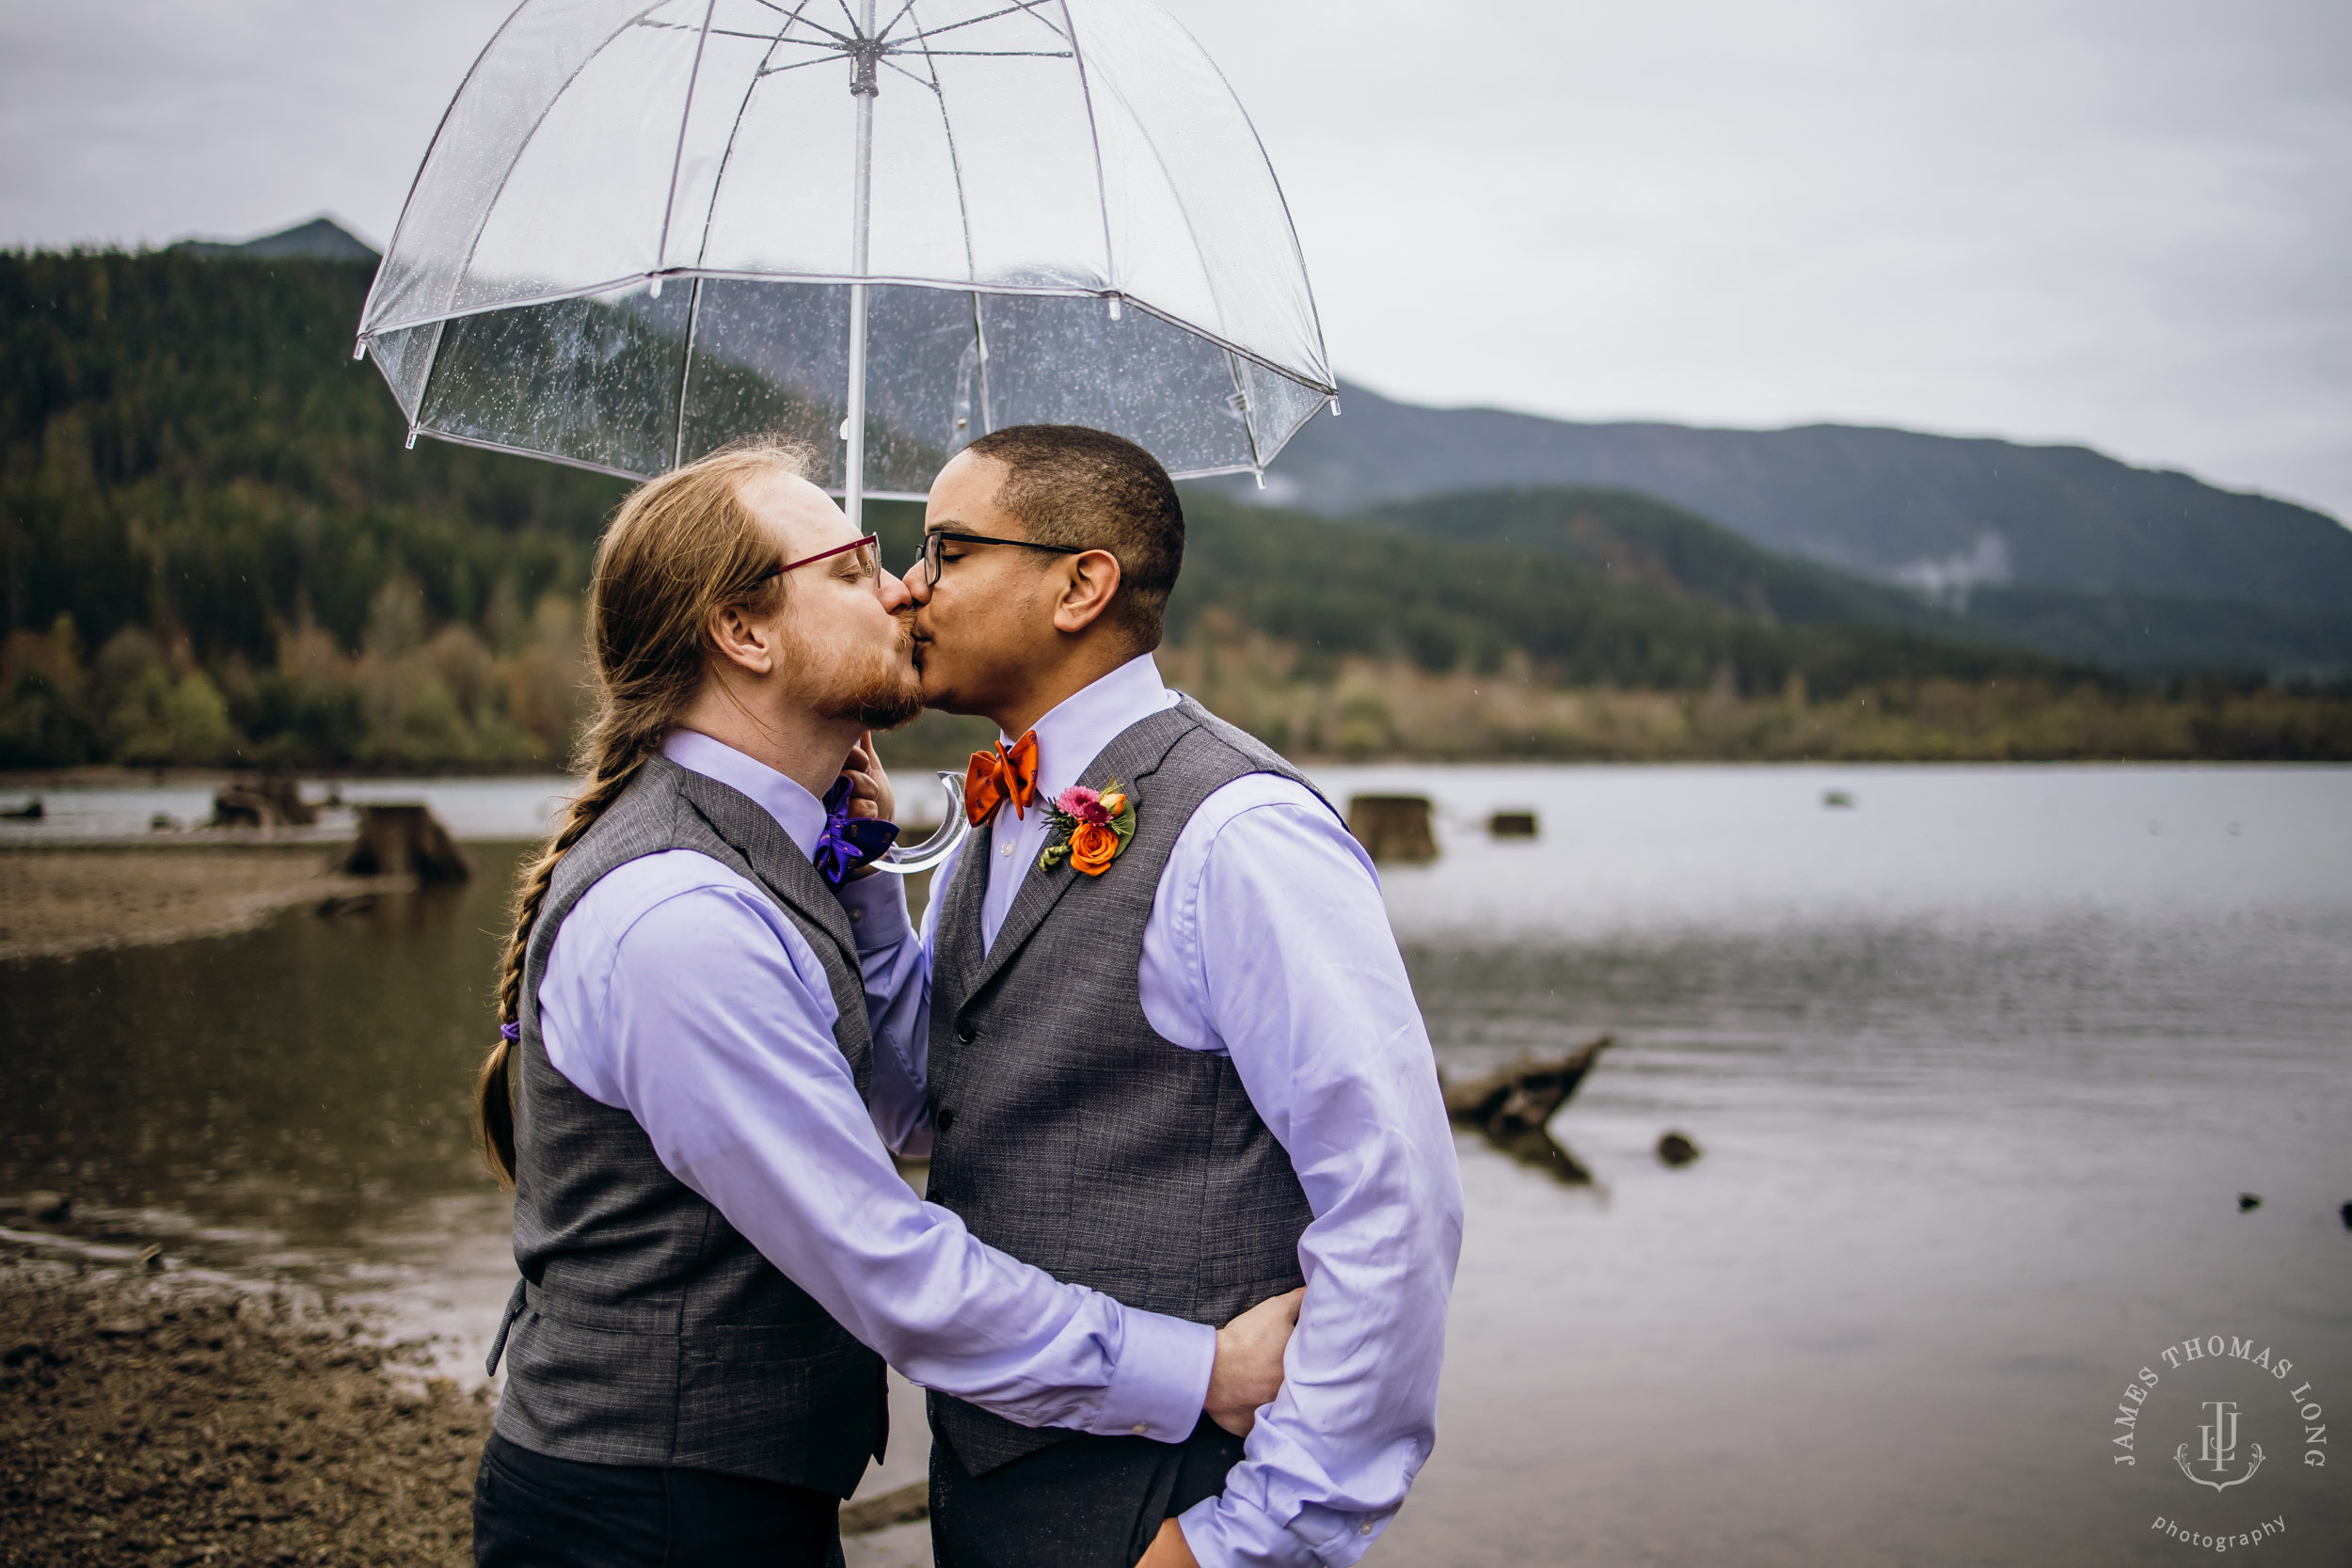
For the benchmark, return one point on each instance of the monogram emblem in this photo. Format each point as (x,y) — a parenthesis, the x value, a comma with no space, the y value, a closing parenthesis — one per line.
(2219,1450)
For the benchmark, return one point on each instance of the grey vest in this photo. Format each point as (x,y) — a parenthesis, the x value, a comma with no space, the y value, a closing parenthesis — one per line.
(1070,1133)
(646,1329)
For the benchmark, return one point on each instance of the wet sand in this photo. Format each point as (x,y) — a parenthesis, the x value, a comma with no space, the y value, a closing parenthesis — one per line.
(152,1417)
(54,902)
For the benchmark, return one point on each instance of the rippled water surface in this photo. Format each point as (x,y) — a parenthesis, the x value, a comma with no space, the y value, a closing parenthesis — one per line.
(1980,1066)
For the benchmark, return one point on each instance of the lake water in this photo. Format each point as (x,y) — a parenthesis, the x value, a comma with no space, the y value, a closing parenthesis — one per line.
(1980,1066)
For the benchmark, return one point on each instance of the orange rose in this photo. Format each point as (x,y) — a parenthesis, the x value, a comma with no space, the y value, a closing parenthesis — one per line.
(1093,847)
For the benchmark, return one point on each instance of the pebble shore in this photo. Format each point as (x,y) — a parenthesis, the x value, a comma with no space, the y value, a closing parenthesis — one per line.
(155,1418)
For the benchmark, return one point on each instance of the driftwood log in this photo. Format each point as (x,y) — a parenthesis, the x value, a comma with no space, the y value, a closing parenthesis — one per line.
(1393,827)
(404,840)
(1513,1104)
(1522,1097)
(907,1504)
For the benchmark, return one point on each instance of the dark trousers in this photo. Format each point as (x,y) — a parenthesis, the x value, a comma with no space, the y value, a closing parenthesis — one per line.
(1085,1502)
(531,1510)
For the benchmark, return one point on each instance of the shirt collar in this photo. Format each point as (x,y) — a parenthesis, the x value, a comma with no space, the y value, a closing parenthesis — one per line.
(1074,734)
(800,815)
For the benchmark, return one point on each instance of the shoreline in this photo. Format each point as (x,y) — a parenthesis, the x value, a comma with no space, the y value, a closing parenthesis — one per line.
(164,1416)
(56,901)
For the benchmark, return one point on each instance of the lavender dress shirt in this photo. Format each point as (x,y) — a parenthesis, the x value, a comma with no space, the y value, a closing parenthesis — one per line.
(1268,943)
(679,993)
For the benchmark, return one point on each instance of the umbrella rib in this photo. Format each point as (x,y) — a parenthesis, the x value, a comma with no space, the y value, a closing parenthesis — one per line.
(685,118)
(733,33)
(686,365)
(475,243)
(393,244)
(963,216)
(884,31)
(1027,6)
(702,251)
(910,75)
(796,65)
(1000,53)
(1094,135)
(800,13)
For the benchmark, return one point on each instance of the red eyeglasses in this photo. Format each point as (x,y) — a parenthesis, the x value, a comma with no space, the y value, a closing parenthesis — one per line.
(868,541)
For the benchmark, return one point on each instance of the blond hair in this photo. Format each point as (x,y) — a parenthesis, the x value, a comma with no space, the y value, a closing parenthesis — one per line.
(680,548)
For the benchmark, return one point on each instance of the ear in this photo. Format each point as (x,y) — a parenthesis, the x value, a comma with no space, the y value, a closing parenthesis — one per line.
(744,642)
(1089,584)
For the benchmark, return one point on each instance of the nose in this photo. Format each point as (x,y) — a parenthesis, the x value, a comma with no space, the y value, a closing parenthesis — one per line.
(915,585)
(895,593)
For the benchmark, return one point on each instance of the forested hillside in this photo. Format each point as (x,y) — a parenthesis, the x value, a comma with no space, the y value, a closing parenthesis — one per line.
(1888,503)
(216,549)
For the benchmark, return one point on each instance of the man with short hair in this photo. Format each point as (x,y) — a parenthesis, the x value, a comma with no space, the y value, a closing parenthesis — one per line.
(717,1253)
(1173,1053)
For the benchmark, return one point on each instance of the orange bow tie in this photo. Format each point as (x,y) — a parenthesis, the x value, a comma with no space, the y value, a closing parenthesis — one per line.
(992,778)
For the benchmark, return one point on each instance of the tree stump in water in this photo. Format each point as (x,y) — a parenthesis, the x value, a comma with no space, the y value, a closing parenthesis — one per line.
(1393,827)
(404,840)
(272,801)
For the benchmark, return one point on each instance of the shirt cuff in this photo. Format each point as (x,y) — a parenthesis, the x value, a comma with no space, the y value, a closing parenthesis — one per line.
(1228,1532)
(878,910)
(1161,1380)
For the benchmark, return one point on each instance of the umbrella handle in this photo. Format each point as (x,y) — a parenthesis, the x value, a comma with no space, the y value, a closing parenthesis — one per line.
(904,860)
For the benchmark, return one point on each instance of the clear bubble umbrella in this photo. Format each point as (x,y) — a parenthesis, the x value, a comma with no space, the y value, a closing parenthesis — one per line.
(644,230)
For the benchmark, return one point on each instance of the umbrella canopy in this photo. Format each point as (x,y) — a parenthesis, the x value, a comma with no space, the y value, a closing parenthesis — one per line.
(645,229)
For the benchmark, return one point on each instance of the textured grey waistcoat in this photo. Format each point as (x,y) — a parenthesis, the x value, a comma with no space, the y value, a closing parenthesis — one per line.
(1070,1133)
(646,1329)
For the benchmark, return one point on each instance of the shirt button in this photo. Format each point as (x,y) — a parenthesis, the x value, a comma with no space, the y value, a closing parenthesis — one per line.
(1364,1529)
(857,914)
(1006,850)
(1141,1430)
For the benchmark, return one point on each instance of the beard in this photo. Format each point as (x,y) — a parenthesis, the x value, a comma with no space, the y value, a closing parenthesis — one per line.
(876,689)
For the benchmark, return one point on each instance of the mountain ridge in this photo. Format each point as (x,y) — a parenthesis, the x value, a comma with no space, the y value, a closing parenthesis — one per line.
(1945,514)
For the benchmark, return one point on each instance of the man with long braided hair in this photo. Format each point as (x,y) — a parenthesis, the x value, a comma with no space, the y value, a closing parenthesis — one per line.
(717,1253)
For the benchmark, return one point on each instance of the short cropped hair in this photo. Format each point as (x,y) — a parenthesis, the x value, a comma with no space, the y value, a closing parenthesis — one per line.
(1072,485)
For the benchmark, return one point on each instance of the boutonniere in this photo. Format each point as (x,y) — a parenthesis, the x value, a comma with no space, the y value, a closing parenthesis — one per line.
(1090,828)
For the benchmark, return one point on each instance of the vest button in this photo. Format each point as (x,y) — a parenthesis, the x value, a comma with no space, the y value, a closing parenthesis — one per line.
(965,1033)
(946,1120)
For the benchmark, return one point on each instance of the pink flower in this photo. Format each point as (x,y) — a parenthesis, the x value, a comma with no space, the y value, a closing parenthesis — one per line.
(1082,803)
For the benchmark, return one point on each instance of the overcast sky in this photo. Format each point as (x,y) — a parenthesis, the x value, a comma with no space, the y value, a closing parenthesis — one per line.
(2122,222)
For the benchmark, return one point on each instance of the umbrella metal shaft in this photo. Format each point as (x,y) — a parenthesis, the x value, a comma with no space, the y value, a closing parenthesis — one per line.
(863,87)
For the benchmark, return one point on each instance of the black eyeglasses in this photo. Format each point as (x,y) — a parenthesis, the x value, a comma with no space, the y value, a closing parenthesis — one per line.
(933,540)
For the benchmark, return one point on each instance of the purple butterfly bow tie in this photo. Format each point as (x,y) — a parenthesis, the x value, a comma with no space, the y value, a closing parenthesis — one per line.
(848,841)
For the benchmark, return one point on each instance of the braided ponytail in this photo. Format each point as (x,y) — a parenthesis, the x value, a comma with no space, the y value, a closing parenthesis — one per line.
(681,548)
